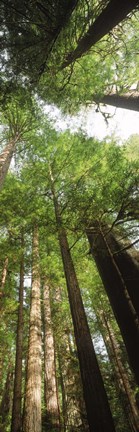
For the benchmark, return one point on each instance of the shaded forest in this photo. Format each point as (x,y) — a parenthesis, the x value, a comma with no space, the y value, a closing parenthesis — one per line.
(69,220)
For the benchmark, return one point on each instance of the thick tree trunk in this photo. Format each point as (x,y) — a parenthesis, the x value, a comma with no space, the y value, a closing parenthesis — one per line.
(17,397)
(32,410)
(51,395)
(126,101)
(114,284)
(121,374)
(128,266)
(97,407)
(5,159)
(113,14)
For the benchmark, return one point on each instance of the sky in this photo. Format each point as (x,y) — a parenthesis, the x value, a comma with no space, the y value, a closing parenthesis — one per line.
(122,123)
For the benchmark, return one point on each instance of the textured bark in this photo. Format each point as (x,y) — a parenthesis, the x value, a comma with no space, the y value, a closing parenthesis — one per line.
(121,374)
(63,394)
(126,101)
(76,406)
(51,395)
(17,396)
(3,281)
(128,266)
(5,159)
(4,275)
(73,409)
(73,405)
(113,14)
(115,286)
(32,410)
(6,399)
(97,407)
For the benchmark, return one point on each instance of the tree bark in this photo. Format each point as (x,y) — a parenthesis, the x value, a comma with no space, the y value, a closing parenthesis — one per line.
(126,101)
(6,398)
(32,410)
(5,159)
(17,396)
(63,394)
(3,278)
(113,14)
(128,266)
(121,374)
(51,395)
(97,407)
(119,298)
(4,274)
(73,409)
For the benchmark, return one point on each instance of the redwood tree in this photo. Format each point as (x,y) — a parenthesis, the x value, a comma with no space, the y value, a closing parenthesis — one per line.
(32,409)
(110,16)
(50,385)
(17,395)
(127,101)
(6,157)
(97,407)
(121,374)
(117,292)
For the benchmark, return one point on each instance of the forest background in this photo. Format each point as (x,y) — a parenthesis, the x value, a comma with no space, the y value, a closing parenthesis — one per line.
(69,323)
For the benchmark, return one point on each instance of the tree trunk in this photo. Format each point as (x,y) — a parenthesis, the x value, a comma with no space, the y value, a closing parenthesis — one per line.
(128,266)
(97,407)
(3,278)
(114,284)
(121,374)
(73,405)
(77,409)
(32,410)
(126,101)
(51,395)
(17,397)
(63,393)
(73,409)
(6,399)
(4,274)
(5,159)
(115,12)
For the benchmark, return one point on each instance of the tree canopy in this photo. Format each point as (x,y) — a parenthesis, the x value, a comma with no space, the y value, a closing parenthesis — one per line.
(69,262)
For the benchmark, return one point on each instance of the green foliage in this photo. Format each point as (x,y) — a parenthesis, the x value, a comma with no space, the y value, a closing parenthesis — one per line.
(132,147)
(38,39)
(93,180)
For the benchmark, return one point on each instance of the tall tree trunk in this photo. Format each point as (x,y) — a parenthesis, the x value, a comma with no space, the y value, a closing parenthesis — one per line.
(51,395)
(73,405)
(121,373)
(126,101)
(115,12)
(5,159)
(97,407)
(114,284)
(6,399)
(128,266)
(63,393)
(73,409)
(77,409)
(17,397)
(32,410)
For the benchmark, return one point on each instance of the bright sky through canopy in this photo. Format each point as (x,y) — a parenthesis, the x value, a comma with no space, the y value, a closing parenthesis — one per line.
(123,122)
